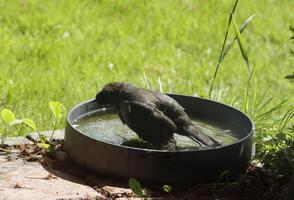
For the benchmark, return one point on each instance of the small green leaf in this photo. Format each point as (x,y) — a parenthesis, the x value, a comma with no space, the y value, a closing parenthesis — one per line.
(136,187)
(8,116)
(30,123)
(56,108)
(166,188)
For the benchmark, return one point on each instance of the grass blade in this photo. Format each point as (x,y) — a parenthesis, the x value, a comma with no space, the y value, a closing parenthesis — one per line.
(264,104)
(248,88)
(223,47)
(160,84)
(286,119)
(246,59)
(146,80)
(241,29)
(247,21)
(240,40)
(278,106)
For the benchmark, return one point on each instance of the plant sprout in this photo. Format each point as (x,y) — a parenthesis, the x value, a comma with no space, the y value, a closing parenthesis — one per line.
(57,109)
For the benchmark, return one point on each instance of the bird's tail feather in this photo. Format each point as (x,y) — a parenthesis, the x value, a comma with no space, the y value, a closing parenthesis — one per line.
(200,136)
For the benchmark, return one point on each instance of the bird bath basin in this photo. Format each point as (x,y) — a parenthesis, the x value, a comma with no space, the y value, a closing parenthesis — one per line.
(96,140)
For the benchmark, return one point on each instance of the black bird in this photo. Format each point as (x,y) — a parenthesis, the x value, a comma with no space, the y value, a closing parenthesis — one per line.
(154,116)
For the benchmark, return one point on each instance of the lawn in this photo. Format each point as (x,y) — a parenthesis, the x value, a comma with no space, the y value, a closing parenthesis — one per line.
(67,50)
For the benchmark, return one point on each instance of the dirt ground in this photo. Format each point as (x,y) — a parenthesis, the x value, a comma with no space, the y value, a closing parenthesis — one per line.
(29,172)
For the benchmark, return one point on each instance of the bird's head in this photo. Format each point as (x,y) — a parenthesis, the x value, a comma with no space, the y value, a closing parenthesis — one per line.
(102,98)
(109,94)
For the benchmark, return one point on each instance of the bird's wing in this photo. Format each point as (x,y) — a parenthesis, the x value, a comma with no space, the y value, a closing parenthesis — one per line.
(153,112)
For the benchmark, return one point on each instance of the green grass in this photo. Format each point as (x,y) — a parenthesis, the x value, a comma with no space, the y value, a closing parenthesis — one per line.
(64,50)
(67,50)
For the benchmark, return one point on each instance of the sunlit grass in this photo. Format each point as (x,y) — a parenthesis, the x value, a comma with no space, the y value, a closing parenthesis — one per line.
(66,51)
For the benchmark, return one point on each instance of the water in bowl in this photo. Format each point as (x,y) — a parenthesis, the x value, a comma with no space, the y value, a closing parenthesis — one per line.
(105,125)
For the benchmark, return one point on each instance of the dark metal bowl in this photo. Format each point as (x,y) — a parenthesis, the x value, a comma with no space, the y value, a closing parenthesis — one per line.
(159,165)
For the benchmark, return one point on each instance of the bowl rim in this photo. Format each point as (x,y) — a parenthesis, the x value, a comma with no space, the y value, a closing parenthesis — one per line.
(248,135)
